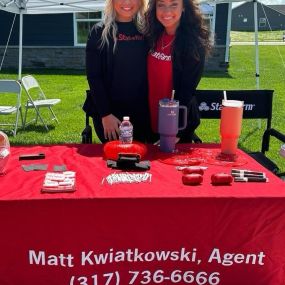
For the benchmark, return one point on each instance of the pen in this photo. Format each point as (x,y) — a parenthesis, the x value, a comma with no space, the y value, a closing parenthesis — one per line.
(251,179)
(245,171)
(32,156)
(263,175)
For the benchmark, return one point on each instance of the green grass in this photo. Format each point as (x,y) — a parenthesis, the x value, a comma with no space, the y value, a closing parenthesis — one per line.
(70,87)
(263,36)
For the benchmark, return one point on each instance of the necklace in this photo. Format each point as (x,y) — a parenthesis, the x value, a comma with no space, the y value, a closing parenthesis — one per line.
(163,46)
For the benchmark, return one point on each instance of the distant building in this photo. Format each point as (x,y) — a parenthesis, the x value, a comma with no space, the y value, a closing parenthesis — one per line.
(58,40)
(270,17)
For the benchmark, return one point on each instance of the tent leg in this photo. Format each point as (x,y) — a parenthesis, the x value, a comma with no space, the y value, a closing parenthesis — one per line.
(20,46)
(256,50)
(228,39)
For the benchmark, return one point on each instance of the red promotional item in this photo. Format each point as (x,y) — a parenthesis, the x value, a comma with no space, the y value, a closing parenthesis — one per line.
(192,179)
(112,149)
(193,169)
(221,179)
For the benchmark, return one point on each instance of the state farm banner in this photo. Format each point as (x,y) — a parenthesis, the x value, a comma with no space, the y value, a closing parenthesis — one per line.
(143,241)
(257,103)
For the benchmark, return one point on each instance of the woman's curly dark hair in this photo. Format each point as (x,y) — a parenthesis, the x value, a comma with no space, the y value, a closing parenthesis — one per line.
(191,35)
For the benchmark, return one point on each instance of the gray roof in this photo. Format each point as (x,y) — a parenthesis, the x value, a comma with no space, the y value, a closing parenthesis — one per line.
(278,8)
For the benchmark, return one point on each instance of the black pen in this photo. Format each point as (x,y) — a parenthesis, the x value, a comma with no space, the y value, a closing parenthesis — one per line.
(262,175)
(251,179)
(32,156)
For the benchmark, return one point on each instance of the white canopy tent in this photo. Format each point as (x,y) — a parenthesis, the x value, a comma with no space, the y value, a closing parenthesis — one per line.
(215,2)
(22,7)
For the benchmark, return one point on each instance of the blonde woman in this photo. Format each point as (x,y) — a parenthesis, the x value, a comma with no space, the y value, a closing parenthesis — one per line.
(116,55)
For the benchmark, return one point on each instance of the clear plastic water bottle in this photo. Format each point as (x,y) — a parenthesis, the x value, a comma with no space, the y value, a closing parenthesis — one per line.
(126,131)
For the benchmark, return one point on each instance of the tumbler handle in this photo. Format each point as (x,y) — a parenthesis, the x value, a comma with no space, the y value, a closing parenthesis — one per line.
(184,117)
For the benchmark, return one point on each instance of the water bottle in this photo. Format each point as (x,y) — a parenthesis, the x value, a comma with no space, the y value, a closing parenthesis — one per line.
(126,131)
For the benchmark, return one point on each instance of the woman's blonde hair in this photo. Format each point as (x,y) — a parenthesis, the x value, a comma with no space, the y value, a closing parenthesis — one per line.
(110,27)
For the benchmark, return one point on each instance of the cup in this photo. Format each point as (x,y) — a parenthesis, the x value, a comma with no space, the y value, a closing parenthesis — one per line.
(168,123)
(230,125)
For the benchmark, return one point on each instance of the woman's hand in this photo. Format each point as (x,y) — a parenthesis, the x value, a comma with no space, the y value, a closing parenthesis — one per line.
(111,127)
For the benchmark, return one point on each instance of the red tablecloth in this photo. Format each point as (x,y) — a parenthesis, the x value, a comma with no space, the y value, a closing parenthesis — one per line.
(160,232)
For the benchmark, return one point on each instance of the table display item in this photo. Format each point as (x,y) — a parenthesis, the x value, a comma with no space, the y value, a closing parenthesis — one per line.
(221,179)
(168,123)
(32,156)
(191,156)
(193,169)
(245,175)
(126,131)
(181,168)
(251,179)
(55,182)
(125,177)
(180,158)
(33,167)
(60,168)
(192,179)
(230,127)
(113,149)
(4,152)
(129,162)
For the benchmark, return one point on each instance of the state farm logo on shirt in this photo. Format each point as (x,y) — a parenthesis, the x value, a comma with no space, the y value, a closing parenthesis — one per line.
(123,37)
(160,55)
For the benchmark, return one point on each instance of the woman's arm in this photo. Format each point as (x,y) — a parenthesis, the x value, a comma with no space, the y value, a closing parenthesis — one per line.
(190,77)
(98,83)
(94,71)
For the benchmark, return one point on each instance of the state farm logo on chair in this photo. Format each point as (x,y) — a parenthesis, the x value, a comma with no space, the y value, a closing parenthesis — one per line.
(215,106)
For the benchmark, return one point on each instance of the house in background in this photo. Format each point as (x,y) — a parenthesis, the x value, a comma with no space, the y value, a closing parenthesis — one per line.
(270,17)
(58,40)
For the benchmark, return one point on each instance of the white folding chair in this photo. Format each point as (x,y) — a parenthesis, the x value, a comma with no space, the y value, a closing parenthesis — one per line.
(10,105)
(37,102)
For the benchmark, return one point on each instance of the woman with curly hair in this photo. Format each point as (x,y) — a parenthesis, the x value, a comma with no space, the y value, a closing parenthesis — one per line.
(179,43)
(116,55)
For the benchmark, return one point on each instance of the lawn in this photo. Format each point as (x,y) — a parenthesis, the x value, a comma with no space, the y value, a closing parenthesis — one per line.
(263,36)
(70,87)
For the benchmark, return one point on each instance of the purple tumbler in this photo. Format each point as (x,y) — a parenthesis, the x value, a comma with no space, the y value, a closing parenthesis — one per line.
(168,120)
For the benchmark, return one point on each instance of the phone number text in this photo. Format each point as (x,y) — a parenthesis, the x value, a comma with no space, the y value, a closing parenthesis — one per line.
(149,277)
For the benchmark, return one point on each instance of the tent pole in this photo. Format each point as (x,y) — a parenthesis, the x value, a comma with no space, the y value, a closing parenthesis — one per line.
(256,43)
(256,50)
(20,46)
(228,38)
(213,27)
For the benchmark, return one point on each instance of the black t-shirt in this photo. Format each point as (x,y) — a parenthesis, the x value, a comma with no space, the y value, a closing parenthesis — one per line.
(129,83)
(129,80)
